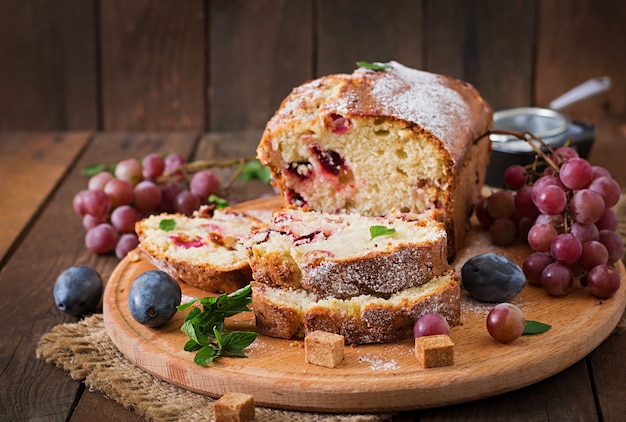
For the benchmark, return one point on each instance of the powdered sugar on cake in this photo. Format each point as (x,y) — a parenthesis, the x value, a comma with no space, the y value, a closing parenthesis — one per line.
(419,97)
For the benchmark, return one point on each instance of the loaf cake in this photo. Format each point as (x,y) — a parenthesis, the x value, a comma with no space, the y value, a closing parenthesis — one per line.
(374,141)
(334,255)
(293,313)
(203,251)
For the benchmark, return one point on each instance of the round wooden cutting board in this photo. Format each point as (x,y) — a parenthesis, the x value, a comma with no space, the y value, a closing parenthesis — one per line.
(372,378)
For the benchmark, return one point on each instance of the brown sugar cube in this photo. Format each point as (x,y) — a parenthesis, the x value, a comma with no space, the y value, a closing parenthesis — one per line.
(324,349)
(434,351)
(234,407)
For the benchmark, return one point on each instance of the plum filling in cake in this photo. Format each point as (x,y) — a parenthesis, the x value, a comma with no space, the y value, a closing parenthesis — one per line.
(301,169)
(336,123)
(186,242)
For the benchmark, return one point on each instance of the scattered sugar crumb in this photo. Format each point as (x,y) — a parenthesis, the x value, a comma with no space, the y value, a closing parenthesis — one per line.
(378,363)
(296,344)
(134,255)
(187,299)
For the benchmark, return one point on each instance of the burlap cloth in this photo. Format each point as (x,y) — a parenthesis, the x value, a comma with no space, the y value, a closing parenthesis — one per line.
(85,350)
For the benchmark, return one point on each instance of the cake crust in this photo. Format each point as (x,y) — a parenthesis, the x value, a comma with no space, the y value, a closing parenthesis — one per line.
(291,314)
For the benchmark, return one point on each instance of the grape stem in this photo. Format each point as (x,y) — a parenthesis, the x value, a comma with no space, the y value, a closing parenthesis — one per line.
(530,139)
(186,170)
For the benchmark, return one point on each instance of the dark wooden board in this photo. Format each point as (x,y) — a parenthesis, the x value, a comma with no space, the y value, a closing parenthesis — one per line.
(48,76)
(259,50)
(487,43)
(153,65)
(32,389)
(350,31)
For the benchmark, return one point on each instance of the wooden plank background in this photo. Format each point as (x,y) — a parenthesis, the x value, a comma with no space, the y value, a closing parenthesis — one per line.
(225,65)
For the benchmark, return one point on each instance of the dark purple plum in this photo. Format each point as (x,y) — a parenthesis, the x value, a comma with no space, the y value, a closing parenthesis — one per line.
(78,290)
(153,298)
(492,277)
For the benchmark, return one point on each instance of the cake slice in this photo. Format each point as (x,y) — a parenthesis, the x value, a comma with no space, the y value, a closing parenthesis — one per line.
(335,255)
(293,313)
(373,141)
(204,252)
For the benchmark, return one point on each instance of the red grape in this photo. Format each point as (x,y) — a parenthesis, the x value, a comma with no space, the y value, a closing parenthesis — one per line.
(89,221)
(608,221)
(501,204)
(515,176)
(585,232)
(533,266)
(562,154)
(483,217)
(576,173)
(503,232)
(120,191)
(505,322)
(101,239)
(78,202)
(173,162)
(557,279)
(96,203)
(598,171)
(147,197)
(124,218)
(126,243)
(593,254)
(186,203)
(540,237)
(153,165)
(524,203)
(566,248)
(430,324)
(129,170)
(613,244)
(99,180)
(168,195)
(608,188)
(550,199)
(586,206)
(204,183)
(603,281)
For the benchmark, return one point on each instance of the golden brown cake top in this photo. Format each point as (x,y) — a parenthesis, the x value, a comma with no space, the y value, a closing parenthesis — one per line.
(451,110)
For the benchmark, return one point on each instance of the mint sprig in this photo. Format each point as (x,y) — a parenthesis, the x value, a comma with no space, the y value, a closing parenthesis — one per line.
(535,327)
(254,170)
(167,224)
(376,231)
(373,66)
(204,324)
(218,201)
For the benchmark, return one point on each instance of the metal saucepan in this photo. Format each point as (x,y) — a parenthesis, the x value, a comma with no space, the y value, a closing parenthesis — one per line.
(549,124)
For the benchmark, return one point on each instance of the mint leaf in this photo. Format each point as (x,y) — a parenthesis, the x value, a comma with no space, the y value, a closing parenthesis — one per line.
(205,356)
(218,201)
(233,343)
(94,169)
(373,66)
(535,327)
(376,231)
(204,324)
(167,224)
(254,170)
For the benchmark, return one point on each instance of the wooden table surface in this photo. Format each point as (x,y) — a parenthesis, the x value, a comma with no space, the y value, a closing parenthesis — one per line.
(41,236)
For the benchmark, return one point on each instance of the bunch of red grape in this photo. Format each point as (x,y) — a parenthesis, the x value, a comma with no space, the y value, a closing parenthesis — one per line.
(562,206)
(115,200)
